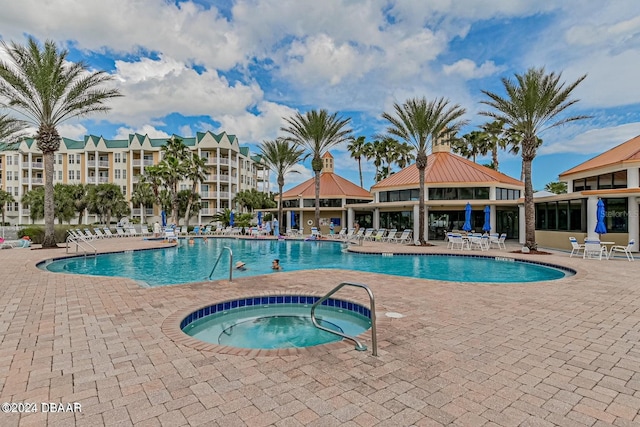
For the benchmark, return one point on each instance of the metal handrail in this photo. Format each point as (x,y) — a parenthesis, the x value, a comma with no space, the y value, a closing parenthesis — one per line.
(76,240)
(372,308)
(230,263)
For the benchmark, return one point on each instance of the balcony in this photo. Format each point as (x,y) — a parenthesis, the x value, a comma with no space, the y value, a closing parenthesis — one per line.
(100,180)
(207,211)
(144,162)
(34,165)
(137,211)
(214,194)
(37,180)
(214,161)
(26,212)
(101,163)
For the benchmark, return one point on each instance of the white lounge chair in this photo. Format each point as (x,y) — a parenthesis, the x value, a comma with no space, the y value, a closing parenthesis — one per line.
(315,233)
(87,234)
(368,233)
(405,237)
(457,240)
(133,231)
(390,235)
(624,249)
(576,247)
(120,232)
(593,249)
(170,234)
(340,235)
(377,235)
(107,232)
(98,233)
(358,235)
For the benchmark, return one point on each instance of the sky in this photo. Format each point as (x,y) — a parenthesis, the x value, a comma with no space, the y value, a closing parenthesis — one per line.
(243,66)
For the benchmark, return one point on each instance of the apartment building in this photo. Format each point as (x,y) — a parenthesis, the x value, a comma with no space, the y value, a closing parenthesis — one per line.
(95,160)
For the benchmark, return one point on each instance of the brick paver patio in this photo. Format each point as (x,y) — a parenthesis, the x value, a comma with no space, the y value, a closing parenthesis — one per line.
(563,352)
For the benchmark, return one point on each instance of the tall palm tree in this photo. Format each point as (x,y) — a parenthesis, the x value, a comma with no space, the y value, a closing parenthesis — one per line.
(47,89)
(421,123)
(317,131)
(196,172)
(471,145)
(357,149)
(533,104)
(281,156)
(173,168)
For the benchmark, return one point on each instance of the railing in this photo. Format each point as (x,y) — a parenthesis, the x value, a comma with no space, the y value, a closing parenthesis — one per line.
(80,243)
(372,309)
(230,263)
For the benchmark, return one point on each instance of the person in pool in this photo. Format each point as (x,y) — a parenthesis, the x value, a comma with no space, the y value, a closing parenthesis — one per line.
(240,266)
(276,264)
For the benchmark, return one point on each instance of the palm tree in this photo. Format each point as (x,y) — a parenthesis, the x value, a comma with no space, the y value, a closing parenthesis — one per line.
(142,196)
(11,129)
(420,123)
(532,104)
(196,172)
(47,89)
(106,200)
(172,171)
(557,187)
(5,198)
(317,131)
(357,149)
(471,145)
(281,156)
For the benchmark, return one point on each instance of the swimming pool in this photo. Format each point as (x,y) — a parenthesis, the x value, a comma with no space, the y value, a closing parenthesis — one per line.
(275,322)
(192,263)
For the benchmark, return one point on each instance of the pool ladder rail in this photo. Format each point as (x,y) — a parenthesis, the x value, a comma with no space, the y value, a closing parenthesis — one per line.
(372,309)
(230,263)
(81,243)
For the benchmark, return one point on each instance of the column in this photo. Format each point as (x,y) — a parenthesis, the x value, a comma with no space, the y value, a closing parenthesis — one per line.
(376,218)
(426,223)
(30,171)
(492,218)
(350,218)
(592,218)
(521,224)
(218,181)
(416,223)
(95,168)
(633,222)
(633,177)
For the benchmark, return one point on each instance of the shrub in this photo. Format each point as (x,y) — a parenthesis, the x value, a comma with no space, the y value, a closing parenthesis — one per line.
(36,233)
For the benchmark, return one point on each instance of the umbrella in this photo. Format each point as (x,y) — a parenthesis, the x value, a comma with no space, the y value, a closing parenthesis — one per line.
(487,219)
(231,215)
(293,219)
(163,218)
(467,218)
(601,228)
(259,219)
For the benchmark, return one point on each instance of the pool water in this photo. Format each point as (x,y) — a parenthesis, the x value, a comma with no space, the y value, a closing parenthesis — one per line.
(193,263)
(276,326)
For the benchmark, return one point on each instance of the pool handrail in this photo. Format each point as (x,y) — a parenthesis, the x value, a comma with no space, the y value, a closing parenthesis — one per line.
(372,309)
(230,263)
(80,241)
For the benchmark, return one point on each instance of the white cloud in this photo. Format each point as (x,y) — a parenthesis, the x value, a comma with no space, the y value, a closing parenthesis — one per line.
(469,70)
(124,132)
(72,131)
(594,141)
(249,127)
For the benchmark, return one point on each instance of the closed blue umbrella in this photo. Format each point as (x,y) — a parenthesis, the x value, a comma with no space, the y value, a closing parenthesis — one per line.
(259,219)
(601,228)
(163,218)
(467,218)
(231,218)
(487,219)
(293,219)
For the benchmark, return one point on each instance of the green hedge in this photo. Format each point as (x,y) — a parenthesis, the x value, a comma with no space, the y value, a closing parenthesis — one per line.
(36,233)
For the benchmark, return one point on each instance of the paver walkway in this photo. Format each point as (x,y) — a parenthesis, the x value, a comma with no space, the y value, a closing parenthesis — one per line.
(563,352)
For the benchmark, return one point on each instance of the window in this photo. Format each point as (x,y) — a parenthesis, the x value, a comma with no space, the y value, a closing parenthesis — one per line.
(71,175)
(124,174)
(117,173)
(9,176)
(616,215)
(71,158)
(15,190)
(507,194)
(9,160)
(59,175)
(116,158)
(124,190)
(59,159)
(562,215)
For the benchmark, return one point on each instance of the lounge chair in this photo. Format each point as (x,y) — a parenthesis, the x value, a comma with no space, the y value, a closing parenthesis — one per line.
(340,235)
(170,234)
(593,249)
(87,234)
(390,235)
(624,249)
(315,233)
(120,232)
(368,233)
(457,240)
(145,230)
(207,230)
(576,247)
(133,231)
(108,233)
(378,235)
(98,233)
(358,235)
(405,237)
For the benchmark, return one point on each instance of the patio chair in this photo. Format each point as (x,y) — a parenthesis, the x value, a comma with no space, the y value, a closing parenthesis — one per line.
(107,232)
(624,249)
(87,234)
(368,233)
(378,235)
(133,232)
(340,235)
(405,237)
(477,241)
(98,233)
(358,235)
(315,233)
(145,230)
(170,234)
(457,240)
(120,232)
(390,235)
(576,247)
(207,230)
(593,249)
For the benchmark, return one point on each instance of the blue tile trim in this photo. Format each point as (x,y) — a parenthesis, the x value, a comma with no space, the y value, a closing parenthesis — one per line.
(275,300)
